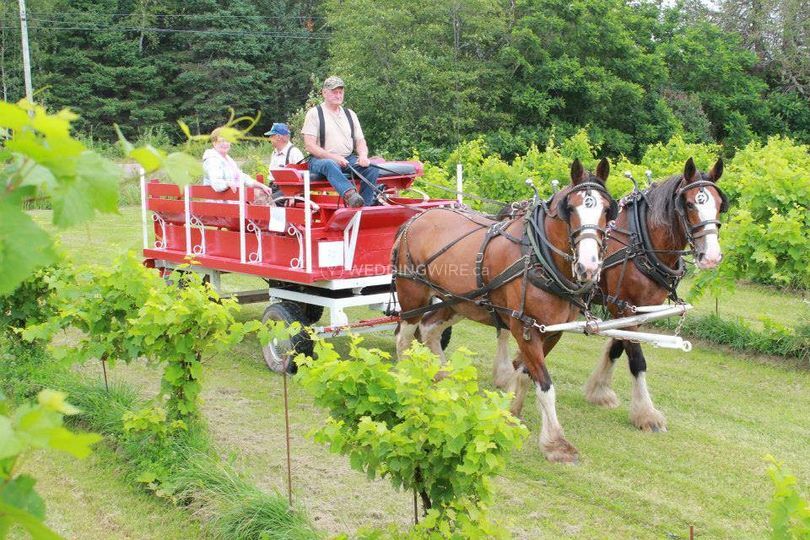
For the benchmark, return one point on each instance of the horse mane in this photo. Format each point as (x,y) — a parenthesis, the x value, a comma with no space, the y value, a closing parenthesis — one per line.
(555,200)
(661,201)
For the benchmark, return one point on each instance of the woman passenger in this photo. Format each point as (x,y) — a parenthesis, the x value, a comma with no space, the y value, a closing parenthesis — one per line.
(221,172)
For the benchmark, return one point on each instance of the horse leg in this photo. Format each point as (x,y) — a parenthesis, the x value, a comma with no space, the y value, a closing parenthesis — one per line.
(643,413)
(520,382)
(597,389)
(432,326)
(502,370)
(406,331)
(411,295)
(552,439)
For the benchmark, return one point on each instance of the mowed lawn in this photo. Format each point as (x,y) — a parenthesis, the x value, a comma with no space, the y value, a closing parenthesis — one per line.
(724,410)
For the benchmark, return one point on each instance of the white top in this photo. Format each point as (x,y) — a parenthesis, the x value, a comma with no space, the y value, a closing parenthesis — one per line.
(221,172)
(279,157)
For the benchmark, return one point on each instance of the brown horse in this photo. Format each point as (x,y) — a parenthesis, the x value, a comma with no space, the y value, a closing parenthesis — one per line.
(492,272)
(643,266)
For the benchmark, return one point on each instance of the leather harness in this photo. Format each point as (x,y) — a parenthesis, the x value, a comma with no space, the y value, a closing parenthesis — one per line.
(641,250)
(536,264)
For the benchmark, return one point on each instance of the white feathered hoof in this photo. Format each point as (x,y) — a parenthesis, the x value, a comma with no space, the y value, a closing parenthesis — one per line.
(560,451)
(601,395)
(648,419)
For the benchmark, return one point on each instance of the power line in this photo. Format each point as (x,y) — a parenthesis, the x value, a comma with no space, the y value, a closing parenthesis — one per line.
(320,35)
(184,15)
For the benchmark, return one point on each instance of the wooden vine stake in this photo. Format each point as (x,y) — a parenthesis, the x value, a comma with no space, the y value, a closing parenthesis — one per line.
(104,369)
(287,428)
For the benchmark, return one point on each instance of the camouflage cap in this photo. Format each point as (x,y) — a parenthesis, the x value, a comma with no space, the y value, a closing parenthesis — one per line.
(333,82)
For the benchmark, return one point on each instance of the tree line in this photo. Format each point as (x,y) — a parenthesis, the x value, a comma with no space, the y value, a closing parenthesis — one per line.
(428,75)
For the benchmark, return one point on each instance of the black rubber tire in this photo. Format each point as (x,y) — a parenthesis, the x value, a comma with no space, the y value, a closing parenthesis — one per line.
(313,313)
(276,355)
(446,335)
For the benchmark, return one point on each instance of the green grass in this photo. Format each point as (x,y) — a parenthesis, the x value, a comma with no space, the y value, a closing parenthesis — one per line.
(89,499)
(750,302)
(725,411)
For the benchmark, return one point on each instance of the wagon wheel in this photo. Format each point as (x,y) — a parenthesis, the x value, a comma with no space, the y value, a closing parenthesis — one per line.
(313,313)
(445,339)
(280,353)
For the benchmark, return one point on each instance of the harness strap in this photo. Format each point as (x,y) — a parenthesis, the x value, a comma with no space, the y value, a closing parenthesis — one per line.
(491,233)
(555,281)
(648,262)
(510,273)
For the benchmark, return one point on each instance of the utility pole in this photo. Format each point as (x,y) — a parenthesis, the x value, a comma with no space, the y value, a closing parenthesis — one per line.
(29,92)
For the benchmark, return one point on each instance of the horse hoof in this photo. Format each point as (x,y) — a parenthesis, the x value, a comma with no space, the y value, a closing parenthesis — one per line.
(602,397)
(440,375)
(650,421)
(561,451)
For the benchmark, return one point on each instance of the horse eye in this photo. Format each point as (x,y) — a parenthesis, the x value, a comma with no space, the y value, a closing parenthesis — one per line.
(690,205)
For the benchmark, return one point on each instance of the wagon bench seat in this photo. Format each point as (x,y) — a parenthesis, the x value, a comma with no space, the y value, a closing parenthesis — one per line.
(393,175)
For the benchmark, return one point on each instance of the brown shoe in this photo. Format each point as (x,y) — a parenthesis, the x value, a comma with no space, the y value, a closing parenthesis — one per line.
(353,200)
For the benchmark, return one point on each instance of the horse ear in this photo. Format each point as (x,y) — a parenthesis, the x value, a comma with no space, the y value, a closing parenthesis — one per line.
(577,172)
(689,170)
(603,170)
(717,171)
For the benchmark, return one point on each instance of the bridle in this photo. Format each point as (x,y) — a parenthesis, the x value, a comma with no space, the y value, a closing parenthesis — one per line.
(698,230)
(594,231)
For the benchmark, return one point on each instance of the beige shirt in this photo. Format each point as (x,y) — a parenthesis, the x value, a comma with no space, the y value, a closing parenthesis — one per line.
(337,130)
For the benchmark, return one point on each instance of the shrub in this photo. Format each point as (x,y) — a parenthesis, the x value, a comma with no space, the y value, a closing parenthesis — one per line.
(99,302)
(766,238)
(668,159)
(31,426)
(31,303)
(442,439)
(774,339)
(176,326)
(790,513)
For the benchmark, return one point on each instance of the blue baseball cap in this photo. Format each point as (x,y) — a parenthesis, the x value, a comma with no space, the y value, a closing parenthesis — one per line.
(278,128)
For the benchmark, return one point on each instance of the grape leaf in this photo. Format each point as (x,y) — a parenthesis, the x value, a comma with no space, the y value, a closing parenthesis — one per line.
(19,492)
(24,246)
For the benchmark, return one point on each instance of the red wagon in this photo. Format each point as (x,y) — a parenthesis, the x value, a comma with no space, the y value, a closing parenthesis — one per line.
(312,250)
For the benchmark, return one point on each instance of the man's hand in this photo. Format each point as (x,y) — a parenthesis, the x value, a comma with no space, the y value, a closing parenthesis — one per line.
(363,161)
(340,160)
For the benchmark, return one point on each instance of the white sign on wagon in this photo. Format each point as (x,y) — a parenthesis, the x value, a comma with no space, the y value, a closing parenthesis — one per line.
(278,219)
(330,254)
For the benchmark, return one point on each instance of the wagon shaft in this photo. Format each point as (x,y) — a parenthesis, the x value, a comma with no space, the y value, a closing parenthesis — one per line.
(612,328)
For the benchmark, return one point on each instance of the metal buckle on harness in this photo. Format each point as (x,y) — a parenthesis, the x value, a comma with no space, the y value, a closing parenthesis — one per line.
(528,323)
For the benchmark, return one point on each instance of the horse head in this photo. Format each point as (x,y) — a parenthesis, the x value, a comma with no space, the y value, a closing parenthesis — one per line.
(699,203)
(587,207)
